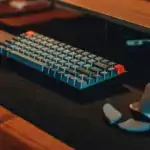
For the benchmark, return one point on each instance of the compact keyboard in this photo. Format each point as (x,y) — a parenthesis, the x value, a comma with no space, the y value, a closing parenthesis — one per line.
(73,66)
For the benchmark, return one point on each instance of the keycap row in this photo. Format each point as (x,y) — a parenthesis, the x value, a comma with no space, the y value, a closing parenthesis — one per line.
(73,64)
(56,56)
(76,54)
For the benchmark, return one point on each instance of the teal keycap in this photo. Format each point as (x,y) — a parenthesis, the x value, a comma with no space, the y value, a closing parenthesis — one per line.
(18,49)
(66,78)
(29,43)
(72,80)
(56,54)
(87,66)
(105,61)
(74,67)
(45,38)
(91,61)
(68,64)
(39,58)
(63,68)
(112,71)
(40,47)
(61,44)
(50,52)
(34,56)
(84,59)
(22,51)
(66,52)
(50,57)
(74,61)
(81,84)
(37,46)
(98,78)
(52,72)
(49,45)
(44,49)
(39,41)
(112,64)
(17,43)
(43,43)
(72,72)
(33,50)
(27,53)
(84,71)
(14,47)
(40,36)
(90,80)
(80,63)
(44,60)
(96,70)
(81,76)
(68,58)
(72,54)
(98,58)
(47,69)
(56,59)
(51,63)
(73,49)
(60,49)
(59,75)
(6,51)
(91,56)
(54,46)
(43,54)
(50,40)
(85,53)
(67,46)
(80,51)
(78,57)
(62,56)
(106,75)
(57,66)
(100,65)
(55,42)
(62,62)
(2,47)
(39,53)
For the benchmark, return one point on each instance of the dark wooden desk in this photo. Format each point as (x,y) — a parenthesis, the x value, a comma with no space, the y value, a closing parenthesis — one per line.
(134,13)
(16,133)
(35,18)
(79,125)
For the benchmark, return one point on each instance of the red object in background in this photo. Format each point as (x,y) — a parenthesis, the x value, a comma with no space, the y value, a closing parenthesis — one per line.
(29,33)
(120,68)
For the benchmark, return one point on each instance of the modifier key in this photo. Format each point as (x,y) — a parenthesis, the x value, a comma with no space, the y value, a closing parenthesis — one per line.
(84,71)
(101,65)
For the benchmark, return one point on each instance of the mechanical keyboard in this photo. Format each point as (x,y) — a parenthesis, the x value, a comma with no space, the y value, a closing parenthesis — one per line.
(73,66)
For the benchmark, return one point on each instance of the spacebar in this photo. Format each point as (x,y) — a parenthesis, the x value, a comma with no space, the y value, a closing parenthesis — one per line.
(27,61)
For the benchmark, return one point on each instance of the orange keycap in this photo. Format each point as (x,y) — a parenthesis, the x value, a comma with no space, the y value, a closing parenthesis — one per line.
(29,33)
(119,68)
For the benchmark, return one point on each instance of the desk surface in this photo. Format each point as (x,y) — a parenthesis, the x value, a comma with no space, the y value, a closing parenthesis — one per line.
(79,125)
(136,12)
(42,16)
